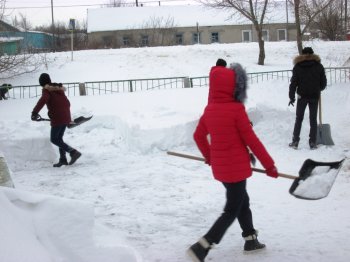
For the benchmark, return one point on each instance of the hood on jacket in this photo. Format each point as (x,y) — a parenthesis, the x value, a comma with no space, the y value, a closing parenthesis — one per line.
(306,58)
(240,92)
(54,87)
(222,82)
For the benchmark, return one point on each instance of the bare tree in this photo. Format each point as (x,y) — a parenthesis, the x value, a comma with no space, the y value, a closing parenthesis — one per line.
(115,3)
(306,12)
(253,10)
(329,22)
(14,65)
(2,9)
(161,31)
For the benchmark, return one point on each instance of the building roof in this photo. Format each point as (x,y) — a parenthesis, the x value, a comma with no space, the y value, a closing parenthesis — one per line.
(126,18)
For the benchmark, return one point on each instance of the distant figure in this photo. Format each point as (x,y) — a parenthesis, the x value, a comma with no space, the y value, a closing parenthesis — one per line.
(58,107)
(227,152)
(308,80)
(4,88)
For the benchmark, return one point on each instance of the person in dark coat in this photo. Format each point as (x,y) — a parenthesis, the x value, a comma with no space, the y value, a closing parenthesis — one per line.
(227,152)
(308,80)
(58,107)
(4,88)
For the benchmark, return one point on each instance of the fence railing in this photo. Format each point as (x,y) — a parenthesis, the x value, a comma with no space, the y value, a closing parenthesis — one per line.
(334,75)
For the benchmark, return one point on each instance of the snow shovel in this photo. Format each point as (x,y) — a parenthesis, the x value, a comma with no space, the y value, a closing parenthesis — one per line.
(323,130)
(314,182)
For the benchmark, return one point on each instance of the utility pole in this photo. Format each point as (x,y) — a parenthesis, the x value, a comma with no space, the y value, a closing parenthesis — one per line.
(346,19)
(53,29)
(287,22)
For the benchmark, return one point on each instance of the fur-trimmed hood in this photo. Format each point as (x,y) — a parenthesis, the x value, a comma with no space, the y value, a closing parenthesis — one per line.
(53,87)
(306,57)
(240,91)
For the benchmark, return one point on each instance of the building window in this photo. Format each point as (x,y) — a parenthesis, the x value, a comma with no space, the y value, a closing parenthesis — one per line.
(265,35)
(126,41)
(179,39)
(144,40)
(215,37)
(281,34)
(196,38)
(246,36)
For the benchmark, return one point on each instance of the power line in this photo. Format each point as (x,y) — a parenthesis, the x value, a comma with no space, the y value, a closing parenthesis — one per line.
(85,5)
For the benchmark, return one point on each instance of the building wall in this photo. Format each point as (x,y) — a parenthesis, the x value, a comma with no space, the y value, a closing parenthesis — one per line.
(226,34)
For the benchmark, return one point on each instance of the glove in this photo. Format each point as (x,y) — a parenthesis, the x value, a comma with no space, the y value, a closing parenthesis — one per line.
(272,172)
(35,116)
(291,102)
(207,161)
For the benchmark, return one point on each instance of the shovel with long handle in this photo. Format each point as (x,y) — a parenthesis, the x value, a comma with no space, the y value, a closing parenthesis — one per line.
(202,159)
(309,185)
(323,130)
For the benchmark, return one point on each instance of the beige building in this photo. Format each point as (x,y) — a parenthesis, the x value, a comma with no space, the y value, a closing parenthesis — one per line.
(180,25)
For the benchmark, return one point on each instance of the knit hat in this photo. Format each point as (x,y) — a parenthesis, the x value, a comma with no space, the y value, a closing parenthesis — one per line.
(44,79)
(221,62)
(307,51)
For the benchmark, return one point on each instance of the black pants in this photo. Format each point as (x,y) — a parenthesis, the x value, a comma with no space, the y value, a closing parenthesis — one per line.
(57,133)
(237,206)
(301,106)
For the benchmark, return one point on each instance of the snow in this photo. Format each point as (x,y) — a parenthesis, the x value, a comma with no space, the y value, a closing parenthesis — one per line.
(126,200)
(318,185)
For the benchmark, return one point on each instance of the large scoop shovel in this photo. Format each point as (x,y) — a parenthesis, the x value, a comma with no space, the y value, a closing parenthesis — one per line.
(314,182)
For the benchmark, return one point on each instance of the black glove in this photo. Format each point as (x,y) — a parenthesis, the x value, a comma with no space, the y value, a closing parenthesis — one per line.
(35,116)
(291,102)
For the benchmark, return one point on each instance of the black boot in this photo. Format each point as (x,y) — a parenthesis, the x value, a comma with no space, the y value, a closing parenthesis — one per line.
(199,250)
(61,162)
(294,144)
(252,243)
(74,154)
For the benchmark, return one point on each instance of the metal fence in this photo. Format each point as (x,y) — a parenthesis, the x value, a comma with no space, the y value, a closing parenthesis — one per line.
(334,75)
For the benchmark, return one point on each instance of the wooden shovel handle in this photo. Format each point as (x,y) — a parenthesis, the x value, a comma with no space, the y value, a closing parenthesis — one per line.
(320,110)
(202,159)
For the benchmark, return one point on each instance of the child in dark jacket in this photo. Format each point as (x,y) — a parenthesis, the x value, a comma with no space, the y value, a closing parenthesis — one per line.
(227,152)
(58,107)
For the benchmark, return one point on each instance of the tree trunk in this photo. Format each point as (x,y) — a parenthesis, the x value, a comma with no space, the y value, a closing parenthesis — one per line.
(261,42)
(297,22)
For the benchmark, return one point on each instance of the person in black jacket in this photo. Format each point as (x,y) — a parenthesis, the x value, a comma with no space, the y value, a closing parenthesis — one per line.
(308,80)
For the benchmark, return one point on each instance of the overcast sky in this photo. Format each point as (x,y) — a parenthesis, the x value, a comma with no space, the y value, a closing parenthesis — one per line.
(38,12)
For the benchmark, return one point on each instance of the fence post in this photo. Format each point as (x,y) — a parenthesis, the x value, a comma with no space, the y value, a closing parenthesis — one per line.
(82,89)
(5,177)
(130,86)
(187,82)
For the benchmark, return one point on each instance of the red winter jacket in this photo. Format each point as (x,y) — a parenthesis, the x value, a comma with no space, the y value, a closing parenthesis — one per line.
(57,103)
(230,131)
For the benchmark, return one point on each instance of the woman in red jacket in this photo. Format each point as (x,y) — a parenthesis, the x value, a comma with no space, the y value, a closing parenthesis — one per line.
(227,152)
(58,107)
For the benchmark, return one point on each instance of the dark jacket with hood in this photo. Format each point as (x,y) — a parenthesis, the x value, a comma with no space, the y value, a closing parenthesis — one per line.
(309,77)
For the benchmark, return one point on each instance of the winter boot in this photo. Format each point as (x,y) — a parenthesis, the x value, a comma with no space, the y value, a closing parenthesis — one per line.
(312,145)
(252,243)
(61,162)
(294,144)
(74,154)
(199,250)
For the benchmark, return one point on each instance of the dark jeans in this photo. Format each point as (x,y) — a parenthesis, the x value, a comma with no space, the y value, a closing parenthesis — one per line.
(237,206)
(57,133)
(301,106)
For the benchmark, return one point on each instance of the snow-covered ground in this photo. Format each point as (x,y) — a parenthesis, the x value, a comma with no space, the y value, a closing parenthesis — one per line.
(126,200)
